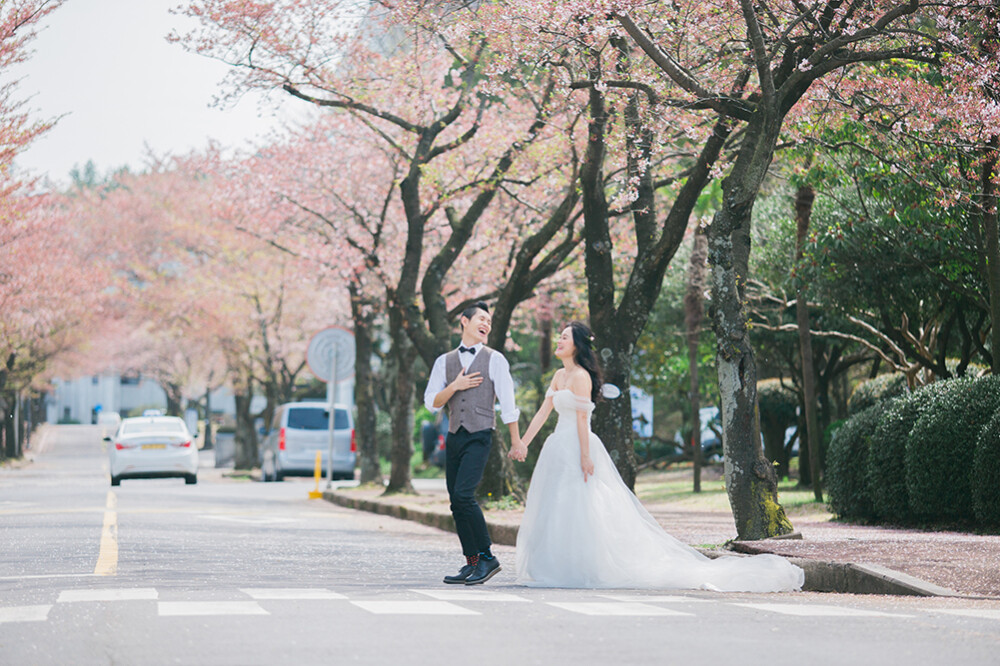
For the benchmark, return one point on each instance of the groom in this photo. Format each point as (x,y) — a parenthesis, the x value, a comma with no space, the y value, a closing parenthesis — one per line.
(470,380)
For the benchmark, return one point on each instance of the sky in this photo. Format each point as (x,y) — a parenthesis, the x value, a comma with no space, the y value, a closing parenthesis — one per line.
(121,90)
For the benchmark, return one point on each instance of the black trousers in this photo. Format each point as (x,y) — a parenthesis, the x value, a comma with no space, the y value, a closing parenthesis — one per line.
(465,459)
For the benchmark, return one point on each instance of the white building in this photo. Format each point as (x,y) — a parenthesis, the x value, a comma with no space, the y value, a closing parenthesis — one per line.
(79,399)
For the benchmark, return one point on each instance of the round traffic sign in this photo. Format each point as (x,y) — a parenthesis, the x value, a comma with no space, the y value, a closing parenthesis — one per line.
(329,346)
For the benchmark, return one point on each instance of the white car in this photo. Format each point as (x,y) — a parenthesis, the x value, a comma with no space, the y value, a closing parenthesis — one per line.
(149,447)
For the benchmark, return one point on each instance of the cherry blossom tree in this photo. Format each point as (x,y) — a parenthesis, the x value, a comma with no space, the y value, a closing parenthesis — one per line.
(417,83)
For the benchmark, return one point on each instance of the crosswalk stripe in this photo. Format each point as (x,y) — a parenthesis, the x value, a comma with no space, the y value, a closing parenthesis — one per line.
(297,594)
(462,594)
(413,608)
(813,610)
(615,608)
(121,594)
(187,608)
(661,598)
(25,613)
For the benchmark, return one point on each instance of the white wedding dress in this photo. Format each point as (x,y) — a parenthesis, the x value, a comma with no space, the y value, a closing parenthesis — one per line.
(598,535)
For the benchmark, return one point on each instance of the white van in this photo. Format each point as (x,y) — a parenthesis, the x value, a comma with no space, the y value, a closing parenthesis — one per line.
(298,431)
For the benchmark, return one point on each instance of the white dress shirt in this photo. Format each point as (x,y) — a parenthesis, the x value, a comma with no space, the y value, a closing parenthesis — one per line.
(503,383)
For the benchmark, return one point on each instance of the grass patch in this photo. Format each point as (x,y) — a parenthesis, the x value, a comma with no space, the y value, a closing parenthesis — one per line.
(677,486)
(418,470)
(506,503)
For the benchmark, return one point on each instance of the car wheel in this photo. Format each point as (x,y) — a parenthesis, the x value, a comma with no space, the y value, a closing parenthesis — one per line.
(116,480)
(191,479)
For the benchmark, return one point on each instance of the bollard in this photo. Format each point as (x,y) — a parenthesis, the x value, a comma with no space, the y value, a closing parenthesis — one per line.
(317,472)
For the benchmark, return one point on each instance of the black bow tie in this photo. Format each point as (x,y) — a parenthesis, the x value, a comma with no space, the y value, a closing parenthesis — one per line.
(471,350)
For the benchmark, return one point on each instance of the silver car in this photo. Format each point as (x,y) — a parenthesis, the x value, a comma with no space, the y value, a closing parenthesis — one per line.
(298,431)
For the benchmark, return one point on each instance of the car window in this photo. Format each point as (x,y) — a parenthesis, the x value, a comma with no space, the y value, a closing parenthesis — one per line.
(316,418)
(136,427)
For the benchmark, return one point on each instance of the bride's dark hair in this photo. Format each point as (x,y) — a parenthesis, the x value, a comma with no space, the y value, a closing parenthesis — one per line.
(583,340)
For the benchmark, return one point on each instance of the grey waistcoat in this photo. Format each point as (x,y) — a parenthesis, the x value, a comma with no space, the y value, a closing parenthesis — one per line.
(474,407)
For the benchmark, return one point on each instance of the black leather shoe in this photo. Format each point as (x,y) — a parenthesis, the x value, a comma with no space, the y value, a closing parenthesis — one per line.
(461,576)
(485,570)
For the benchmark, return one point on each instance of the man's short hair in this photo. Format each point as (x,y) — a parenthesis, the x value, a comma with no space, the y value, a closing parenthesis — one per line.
(470,311)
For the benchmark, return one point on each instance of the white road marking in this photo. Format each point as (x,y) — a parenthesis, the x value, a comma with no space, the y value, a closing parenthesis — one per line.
(264,593)
(107,559)
(413,608)
(984,613)
(25,613)
(249,520)
(462,594)
(614,608)
(13,504)
(121,594)
(187,608)
(35,576)
(661,598)
(813,610)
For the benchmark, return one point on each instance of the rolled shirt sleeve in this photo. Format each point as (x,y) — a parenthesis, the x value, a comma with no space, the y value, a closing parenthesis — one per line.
(437,383)
(503,386)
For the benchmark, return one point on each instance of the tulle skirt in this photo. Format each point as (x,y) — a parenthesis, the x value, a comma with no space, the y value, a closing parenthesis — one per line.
(596,534)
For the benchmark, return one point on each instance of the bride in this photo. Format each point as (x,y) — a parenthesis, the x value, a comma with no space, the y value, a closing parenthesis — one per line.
(584,528)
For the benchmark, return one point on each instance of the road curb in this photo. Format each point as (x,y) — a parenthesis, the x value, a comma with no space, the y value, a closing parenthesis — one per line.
(820,576)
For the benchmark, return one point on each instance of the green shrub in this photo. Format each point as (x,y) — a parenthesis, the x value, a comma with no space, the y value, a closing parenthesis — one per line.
(887,455)
(847,464)
(985,474)
(941,445)
(872,391)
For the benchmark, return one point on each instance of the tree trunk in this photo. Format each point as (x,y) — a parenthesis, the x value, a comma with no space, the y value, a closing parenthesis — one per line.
(364,394)
(208,443)
(694,311)
(612,420)
(545,344)
(751,483)
(175,396)
(499,476)
(990,233)
(403,356)
(245,438)
(803,213)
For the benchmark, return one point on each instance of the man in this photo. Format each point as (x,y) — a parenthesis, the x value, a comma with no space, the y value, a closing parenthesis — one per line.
(469,381)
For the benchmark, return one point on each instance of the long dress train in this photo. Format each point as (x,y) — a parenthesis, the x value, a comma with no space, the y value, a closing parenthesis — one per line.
(596,534)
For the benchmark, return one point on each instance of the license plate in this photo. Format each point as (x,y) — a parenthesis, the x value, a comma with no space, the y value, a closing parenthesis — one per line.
(154,446)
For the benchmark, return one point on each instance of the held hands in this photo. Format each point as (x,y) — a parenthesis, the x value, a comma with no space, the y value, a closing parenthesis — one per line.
(587,465)
(464,381)
(518,451)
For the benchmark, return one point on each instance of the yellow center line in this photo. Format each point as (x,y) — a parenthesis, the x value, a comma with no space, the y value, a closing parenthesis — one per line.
(107,560)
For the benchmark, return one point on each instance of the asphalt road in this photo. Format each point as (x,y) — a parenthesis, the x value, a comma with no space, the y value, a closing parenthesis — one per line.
(237,572)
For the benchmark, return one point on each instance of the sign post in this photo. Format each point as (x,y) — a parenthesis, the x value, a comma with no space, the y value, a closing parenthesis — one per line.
(331,358)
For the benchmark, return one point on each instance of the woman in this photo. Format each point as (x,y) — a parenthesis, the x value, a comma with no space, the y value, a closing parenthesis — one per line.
(584,528)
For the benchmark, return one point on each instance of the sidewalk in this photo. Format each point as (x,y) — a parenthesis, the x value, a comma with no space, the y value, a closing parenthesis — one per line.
(836,557)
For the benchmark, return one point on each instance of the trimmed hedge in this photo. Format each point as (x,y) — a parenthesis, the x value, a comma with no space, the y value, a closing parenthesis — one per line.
(868,393)
(985,475)
(847,464)
(942,444)
(887,455)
